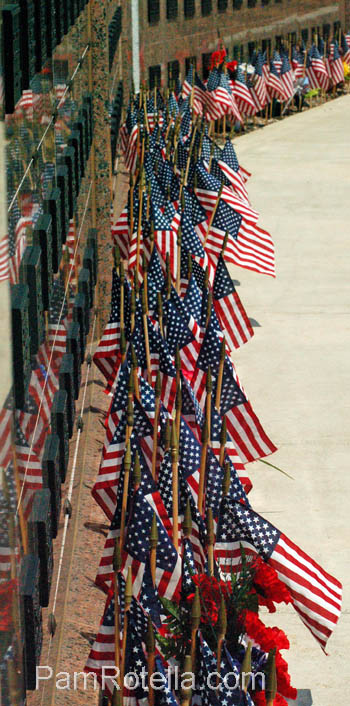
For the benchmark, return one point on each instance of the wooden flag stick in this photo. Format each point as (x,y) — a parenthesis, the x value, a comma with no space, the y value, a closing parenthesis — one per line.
(167,433)
(210,541)
(246,668)
(271,685)
(153,541)
(127,466)
(213,214)
(134,364)
(132,311)
(131,385)
(223,439)
(190,152)
(131,205)
(116,258)
(117,564)
(151,237)
(212,150)
(168,277)
(221,627)
(148,199)
(203,465)
(175,484)
(136,474)
(160,313)
(151,655)
(142,152)
(187,522)
(127,604)
(178,407)
(178,273)
(129,419)
(209,388)
(122,344)
(145,331)
(209,308)
(220,374)
(178,367)
(145,277)
(139,225)
(226,480)
(158,389)
(122,282)
(195,622)
(189,266)
(186,693)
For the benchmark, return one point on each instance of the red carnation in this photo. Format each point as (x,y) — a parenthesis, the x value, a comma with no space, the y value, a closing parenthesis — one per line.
(269,587)
(215,59)
(232,66)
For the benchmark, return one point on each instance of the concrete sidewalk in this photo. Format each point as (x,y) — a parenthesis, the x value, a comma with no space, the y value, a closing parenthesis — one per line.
(296,369)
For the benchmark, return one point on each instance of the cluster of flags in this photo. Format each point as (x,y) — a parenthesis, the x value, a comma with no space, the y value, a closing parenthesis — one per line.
(180,427)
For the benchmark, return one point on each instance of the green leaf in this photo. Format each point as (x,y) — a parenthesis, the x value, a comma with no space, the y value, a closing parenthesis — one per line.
(170,607)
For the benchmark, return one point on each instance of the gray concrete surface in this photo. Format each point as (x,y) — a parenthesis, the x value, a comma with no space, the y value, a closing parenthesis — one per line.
(296,370)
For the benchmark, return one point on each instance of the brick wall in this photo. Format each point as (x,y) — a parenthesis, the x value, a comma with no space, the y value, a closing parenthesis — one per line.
(168,40)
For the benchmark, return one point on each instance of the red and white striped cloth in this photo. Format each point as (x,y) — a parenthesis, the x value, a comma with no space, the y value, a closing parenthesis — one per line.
(20,245)
(243,98)
(253,249)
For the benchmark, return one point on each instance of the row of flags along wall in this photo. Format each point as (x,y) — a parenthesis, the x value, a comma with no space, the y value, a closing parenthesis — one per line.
(187,562)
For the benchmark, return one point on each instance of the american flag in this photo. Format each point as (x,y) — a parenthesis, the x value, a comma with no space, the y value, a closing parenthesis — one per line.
(214,108)
(241,92)
(120,232)
(17,241)
(29,472)
(252,249)
(179,324)
(107,482)
(259,92)
(4,258)
(58,312)
(316,70)
(207,191)
(226,99)
(5,434)
(8,504)
(43,384)
(105,570)
(168,562)
(193,82)
(128,137)
(277,60)
(107,355)
(69,246)
(297,63)
(188,482)
(316,595)
(165,233)
(226,220)
(33,424)
(229,164)
(162,361)
(336,66)
(231,453)
(287,77)
(274,84)
(229,308)
(346,48)
(101,659)
(243,425)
